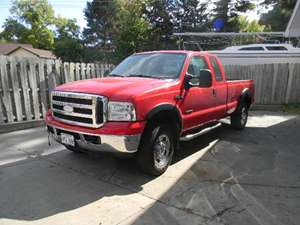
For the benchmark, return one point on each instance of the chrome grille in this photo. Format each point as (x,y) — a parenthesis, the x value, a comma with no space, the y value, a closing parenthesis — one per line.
(79,109)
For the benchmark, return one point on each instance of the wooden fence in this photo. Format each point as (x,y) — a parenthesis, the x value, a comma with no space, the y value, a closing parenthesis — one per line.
(274,83)
(25,84)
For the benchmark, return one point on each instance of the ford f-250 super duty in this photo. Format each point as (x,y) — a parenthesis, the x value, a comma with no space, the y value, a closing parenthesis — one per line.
(147,104)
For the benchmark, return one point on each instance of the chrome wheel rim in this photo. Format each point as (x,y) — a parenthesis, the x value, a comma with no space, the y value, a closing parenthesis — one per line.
(162,151)
(244,115)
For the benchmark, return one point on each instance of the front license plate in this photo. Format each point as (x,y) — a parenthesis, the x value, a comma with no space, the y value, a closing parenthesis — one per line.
(67,139)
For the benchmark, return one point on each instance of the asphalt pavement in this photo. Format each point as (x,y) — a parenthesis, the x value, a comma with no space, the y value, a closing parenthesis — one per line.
(224,177)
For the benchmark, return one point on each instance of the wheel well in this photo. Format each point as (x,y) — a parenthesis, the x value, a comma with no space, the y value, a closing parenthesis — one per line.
(248,100)
(170,116)
(246,97)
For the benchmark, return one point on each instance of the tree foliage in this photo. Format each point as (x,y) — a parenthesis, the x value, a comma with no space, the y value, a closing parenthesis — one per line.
(229,10)
(68,45)
(191,16)
(29,23)
(133,32)
(33,22)
(279,14)
(118,28)
(101,17)
(249,26)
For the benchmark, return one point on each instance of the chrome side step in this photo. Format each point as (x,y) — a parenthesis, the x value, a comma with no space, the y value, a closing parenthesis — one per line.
(204,131)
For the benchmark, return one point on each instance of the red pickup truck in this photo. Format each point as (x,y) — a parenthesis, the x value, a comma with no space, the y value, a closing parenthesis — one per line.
(147,104)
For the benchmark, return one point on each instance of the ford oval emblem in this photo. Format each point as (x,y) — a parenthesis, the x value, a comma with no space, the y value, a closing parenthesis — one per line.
(68,108)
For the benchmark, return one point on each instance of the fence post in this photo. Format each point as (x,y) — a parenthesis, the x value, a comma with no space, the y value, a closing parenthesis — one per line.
(16,88)
(34,88)
(25,88)
(290,82)
(42,82)
(274,82)
(6,89)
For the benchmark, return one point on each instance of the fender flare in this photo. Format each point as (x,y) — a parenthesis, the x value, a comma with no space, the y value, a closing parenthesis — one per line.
(246,94)
(165,107)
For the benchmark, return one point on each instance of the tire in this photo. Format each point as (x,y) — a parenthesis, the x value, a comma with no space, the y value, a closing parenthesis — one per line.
(156,150)
(240,117)
(73,149)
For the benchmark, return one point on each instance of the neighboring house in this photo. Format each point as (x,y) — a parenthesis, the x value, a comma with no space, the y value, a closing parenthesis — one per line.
(24,50)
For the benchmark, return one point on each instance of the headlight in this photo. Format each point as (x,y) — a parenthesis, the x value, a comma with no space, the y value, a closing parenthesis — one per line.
(121,111)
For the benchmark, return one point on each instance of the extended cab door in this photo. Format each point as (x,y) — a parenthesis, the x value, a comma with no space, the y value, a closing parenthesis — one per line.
(198,103)
(219,88)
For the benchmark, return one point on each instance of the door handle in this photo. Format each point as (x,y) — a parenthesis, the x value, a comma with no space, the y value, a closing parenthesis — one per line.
(214,92)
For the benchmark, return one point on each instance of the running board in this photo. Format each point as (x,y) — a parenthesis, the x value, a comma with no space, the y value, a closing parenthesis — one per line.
(204,131)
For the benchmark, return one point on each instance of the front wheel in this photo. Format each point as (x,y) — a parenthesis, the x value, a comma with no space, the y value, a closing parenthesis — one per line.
(156,150)
(240,117)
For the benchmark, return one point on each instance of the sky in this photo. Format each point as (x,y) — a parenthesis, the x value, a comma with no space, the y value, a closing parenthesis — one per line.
(74,9)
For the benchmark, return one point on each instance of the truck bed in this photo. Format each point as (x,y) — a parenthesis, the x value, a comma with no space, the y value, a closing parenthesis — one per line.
(235,88)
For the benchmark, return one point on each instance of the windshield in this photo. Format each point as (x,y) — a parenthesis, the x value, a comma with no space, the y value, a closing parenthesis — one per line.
(153,65)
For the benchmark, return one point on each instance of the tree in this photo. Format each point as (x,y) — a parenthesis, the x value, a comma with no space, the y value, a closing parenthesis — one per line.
(279,14)
(229,10)
(14,31)
(68,45)
(29,23)
(66,27)
(158,13)
(191,16)
(69,49)
(133,32)
(100,16)
(249,26)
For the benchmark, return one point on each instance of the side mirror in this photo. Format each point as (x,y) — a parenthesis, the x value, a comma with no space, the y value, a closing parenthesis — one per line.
(203,80)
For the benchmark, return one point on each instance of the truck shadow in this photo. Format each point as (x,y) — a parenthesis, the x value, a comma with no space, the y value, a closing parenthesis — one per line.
(253,168)
(45,185)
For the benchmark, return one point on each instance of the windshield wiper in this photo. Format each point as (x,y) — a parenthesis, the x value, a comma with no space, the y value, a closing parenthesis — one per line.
(116,75)
(142,75)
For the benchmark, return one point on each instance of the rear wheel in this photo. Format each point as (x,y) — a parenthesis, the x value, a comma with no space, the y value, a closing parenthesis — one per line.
(240,117)
(156,150)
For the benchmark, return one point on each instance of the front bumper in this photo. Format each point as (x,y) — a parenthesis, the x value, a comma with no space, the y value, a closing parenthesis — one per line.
(104,143)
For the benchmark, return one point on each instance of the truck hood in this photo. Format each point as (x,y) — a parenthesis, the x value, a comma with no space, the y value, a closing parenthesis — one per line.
(117,88)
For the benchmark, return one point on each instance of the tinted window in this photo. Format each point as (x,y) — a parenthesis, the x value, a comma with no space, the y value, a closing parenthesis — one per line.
(276,48)
(252,49)
(196,65)
(156,65)
(216,68)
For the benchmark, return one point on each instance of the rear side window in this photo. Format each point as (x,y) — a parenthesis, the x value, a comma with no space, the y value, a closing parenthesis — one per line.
(252,49)
(196,65)
(276,48)
(215,65)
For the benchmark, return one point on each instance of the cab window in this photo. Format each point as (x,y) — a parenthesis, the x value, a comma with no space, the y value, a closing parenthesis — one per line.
(215,65)
(197,64)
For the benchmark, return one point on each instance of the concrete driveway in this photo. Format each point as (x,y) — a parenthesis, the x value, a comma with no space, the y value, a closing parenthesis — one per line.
(225,177)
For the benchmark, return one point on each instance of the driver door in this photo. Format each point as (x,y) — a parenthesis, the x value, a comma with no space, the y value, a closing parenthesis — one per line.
(198,102)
